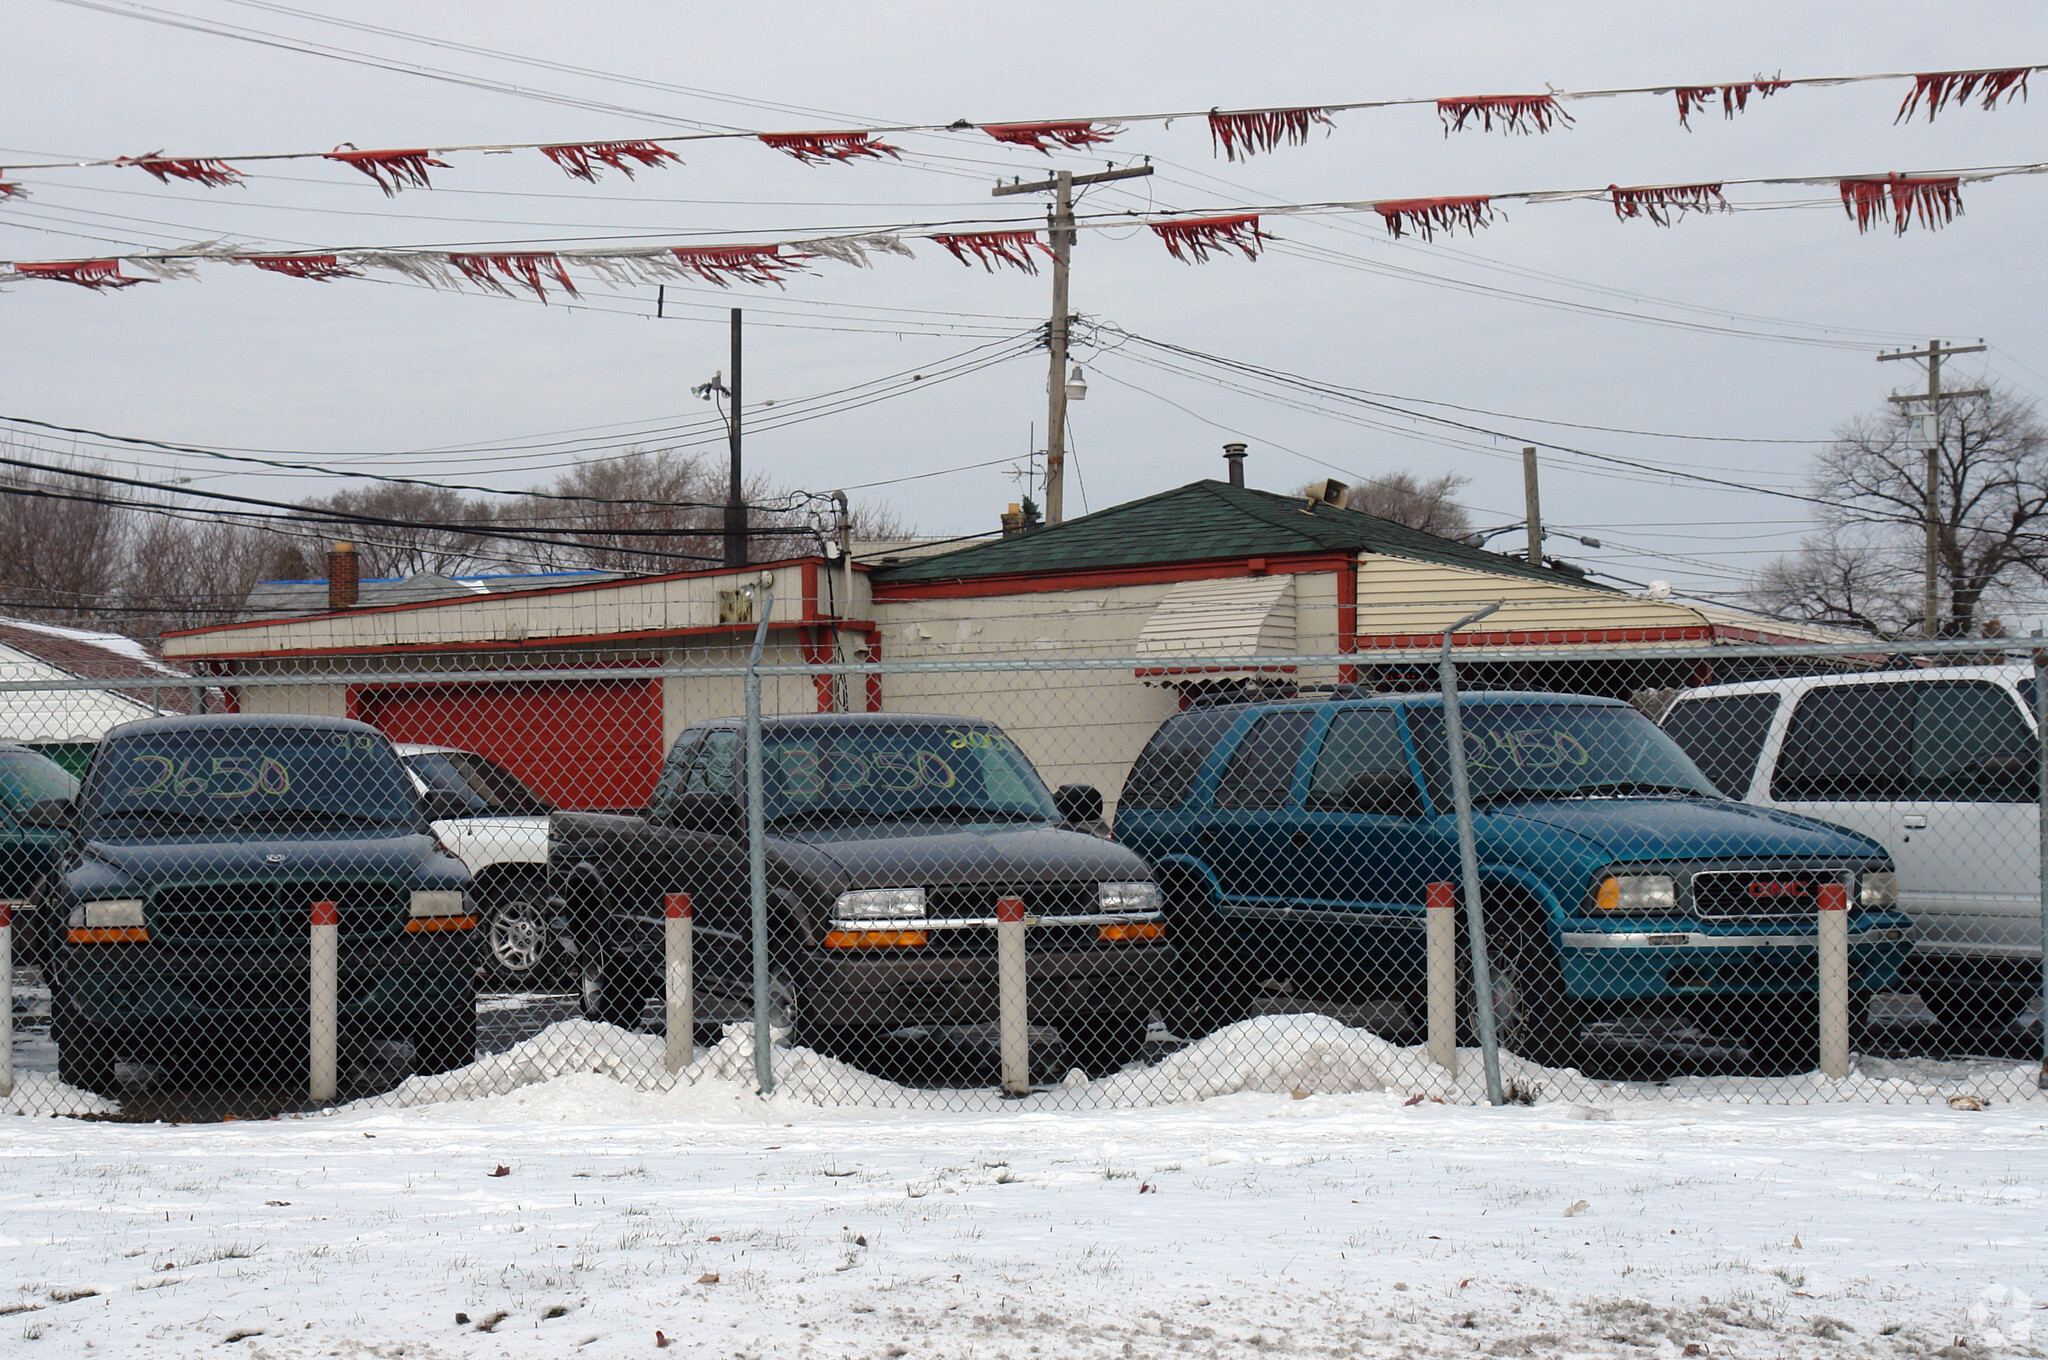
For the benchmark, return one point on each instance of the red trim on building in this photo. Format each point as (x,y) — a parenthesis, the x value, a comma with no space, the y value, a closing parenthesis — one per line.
(1554,637)
(874,678)
(1153,672)
(738,631)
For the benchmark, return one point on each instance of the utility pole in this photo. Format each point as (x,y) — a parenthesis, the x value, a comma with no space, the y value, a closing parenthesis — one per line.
(1533,511)
(735,502)
(1930,440)
(1060,230)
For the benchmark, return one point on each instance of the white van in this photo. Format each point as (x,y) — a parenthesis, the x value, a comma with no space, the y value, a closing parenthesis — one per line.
(1941,766)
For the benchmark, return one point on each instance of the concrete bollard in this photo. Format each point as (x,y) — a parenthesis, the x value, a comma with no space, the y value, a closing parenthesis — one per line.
(324,996)
(1832,980)
(680,927)
(6,999)
(1441,990)
(1011,1005)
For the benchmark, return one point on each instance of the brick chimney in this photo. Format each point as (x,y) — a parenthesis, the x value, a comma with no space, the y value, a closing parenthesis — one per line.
(343,576)
(1233,454)
(1013,520)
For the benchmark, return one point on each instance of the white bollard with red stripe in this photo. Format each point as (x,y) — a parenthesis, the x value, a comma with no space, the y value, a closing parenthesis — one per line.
(1832,979)
(324,996)
(6,999)
(679,927)
(1012,1008)
(1440,964)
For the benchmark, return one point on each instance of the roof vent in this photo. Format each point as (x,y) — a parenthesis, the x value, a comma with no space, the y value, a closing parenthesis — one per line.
(1233,454)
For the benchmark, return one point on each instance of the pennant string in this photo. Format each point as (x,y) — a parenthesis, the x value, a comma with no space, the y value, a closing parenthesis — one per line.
(1427,216)
(527,269)
(392,170)
(1010,247)
(1936,199)
(1734,98)
(1196,237)
(577,157)
(1038,135)
(1655,202)
(212,173)
(1957,87)
(1523,113)
(816,148)
(1237,135)
(319,268)
(723,265)
(93,274)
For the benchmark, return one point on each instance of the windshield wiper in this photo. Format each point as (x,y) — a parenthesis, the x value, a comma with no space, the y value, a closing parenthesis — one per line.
(1639,786)
(1515,794)
(308,816)
(178,815)
(974,810)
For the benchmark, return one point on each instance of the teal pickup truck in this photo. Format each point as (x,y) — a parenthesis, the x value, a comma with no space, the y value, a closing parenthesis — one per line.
(27,853)
(1294,842)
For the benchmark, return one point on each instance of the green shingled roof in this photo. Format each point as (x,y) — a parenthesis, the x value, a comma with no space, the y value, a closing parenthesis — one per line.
(1200,522)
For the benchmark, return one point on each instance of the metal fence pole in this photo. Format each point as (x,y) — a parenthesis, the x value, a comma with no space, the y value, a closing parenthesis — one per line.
(1013,1019)
(757,859)
(1468,857)
(680,988)
(324,997)
(6,999)
(1441,975)
(2041,735)
(1831,978)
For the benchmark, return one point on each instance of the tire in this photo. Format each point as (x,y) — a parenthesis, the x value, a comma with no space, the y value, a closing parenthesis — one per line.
(614,992)
(1972,1019)
(517,934)
(85,1052)
(1532,1017)
(1212,981)
(1781,1031)
(1101,1042)
(444,1041)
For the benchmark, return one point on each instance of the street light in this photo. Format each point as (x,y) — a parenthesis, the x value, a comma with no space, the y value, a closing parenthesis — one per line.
(1077,385)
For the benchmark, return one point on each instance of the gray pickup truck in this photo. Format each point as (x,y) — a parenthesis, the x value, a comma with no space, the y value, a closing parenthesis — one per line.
(889,840)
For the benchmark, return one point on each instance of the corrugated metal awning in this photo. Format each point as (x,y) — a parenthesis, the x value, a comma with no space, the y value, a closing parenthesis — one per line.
(1246,616)
(61,715)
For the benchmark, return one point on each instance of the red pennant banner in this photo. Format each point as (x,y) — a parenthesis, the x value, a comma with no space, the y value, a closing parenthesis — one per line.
(1196,237)
(316,267)
(212,173)
(747,264)
(1524,113)
(1666,203)
(1038,135)
(94,274)
(1010,247)
(581,159)
(1895,198)
(392,170)
(816,148)
(1957,87)
(1237,135)
(1734,98)
(12,190)
(523,269)
(1427,216)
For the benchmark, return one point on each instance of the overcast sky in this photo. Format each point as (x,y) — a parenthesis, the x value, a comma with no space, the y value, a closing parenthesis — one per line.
(1758,325)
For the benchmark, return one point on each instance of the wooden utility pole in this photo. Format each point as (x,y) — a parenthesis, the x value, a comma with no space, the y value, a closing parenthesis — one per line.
(1060,230)
(1931,500)
(735,496)
(1532,508)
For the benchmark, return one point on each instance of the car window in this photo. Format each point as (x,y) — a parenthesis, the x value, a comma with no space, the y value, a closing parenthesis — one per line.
(1361,752)
(1559,749)
(1970,744)
(1165,770)
(26,778)
(881,769)
(486,789)
(675,771)
(1724,735)
(717,762)
(1843,744)
(1261,770)
(244,776)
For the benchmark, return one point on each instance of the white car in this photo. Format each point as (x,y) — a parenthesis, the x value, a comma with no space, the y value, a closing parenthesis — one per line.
(503,838)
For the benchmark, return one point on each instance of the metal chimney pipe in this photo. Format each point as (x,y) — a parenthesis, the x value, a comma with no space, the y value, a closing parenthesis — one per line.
(1233,454)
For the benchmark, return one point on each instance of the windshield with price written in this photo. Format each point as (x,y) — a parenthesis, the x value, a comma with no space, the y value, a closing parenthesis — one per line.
(889,770)
(246,778)
(1553,750)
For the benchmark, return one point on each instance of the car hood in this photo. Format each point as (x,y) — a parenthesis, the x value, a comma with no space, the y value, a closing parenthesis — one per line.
(188,859)
(919,854)
(1682,829)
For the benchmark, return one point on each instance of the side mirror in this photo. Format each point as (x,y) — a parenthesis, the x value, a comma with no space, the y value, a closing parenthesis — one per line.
(1383,793)
(1078,804)
(51,814)
(440,805)
(716,813)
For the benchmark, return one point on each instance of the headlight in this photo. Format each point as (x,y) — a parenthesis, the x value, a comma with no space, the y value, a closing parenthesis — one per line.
(113,913)
(438,902)
(1877,892)
(880,904)
(1129,897)
(1639,894)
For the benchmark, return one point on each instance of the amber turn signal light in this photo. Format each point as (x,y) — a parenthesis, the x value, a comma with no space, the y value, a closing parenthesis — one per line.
(422,925)
(1134,930)
(873,939)
(108,934)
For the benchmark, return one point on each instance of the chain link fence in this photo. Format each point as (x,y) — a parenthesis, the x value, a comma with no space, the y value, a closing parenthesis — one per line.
(1516,873)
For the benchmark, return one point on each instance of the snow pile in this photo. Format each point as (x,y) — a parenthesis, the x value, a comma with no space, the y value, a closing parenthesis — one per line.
(565,1047)
(40,1093)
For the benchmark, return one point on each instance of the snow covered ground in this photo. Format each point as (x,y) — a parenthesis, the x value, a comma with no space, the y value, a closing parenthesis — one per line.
(593,1213)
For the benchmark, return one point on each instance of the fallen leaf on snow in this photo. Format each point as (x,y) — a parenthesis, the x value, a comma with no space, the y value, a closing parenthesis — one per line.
(1965,1103)
(502,1171)
(708,1277)
(1412,1100)
(661,1342)
(1578,1206)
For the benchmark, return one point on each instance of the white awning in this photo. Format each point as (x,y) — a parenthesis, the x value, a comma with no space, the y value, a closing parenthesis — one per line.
(1242,616)
(61,715)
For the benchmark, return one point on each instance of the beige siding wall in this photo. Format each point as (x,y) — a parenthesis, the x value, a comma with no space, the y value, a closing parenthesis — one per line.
(1400,596)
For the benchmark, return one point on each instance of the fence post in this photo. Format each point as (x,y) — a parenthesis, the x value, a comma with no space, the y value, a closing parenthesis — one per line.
(6,999)
(1468,857)
(1012,1004)
(680,993)
(1441,972)
(757,859)
(325,1002)
(1832,979)
(2041,735)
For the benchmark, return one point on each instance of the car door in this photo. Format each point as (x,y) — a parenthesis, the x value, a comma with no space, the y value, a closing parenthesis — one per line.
(1247,840)
(1365,852)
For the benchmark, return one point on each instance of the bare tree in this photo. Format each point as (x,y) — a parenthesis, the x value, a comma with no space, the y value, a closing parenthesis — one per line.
(181,572)
(1991,521)
(438,529)
(65,541)
(1428,505)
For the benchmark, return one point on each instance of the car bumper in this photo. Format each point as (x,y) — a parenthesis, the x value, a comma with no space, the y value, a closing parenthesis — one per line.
(1652,963)
(901,987)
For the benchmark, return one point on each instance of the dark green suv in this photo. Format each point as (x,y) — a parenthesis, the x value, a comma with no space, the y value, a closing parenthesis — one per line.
(178,932)
(28,853)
